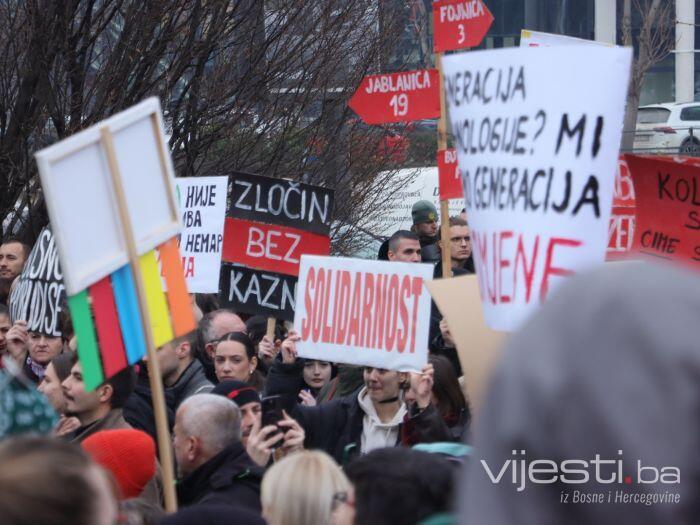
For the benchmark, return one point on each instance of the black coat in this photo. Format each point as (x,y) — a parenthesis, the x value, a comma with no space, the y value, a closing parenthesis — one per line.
(334,426)
(229,478)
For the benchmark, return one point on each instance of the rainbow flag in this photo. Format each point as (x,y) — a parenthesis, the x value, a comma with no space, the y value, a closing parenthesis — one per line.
(107,319)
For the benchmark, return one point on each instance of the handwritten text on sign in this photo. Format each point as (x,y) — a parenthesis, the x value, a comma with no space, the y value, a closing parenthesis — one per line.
(363,312)
(537,165)
(668,208)
(39,294)
(398,97)
(202,203)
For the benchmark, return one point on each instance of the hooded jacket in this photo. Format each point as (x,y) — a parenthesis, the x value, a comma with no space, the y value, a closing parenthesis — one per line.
(229,478)
(375,433)
(609,366)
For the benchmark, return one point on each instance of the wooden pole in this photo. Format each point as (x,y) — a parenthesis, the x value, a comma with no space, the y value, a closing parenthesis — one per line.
(444,204)
(158,396)
(271,328)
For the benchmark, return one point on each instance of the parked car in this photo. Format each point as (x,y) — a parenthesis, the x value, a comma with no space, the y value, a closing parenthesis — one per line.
(668,128)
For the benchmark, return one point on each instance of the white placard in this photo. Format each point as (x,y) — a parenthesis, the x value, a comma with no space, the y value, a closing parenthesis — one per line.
(537,141)
(202,202)
(539,39)
(80,195)
(361,312)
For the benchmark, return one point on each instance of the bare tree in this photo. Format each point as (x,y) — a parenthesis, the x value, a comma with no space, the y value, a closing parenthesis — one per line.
(246,85)
(654,43)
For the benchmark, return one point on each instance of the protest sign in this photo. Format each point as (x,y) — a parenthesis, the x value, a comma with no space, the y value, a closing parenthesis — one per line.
(539,39)
(622,219)
(478,347)
(537,165)
(110,194)
(458,24)
(362,312)
(39,295)
(398,97)
(270,224)
(449,175)
(202,203)
(668,208)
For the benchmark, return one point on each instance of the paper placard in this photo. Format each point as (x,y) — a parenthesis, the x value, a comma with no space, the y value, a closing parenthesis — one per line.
(537,143)
(361,312)
(202,202)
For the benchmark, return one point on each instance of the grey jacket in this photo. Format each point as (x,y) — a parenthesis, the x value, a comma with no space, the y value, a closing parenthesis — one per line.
(610,363)
(192,381)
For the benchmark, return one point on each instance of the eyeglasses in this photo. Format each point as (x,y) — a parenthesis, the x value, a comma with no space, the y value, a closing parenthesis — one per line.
(339,498)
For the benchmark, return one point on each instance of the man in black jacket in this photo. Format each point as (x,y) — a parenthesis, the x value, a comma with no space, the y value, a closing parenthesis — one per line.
(212,463)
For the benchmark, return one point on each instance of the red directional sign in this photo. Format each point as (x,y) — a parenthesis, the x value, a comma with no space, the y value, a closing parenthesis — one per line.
(459,24)
(398,97)
(449,175)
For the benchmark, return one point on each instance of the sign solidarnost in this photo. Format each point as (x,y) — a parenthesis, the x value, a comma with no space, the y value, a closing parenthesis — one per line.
(537,167)
(398,97)
(363,312)
(449,175)
(458,24)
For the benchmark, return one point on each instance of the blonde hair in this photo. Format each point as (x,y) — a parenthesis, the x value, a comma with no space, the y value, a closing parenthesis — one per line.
(299,489)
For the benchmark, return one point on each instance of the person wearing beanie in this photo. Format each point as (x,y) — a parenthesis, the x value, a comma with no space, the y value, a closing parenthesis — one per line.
(425,216)
(128,454)
(248,401)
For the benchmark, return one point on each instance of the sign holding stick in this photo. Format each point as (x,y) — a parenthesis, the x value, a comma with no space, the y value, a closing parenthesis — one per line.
(110,194)
(537,166)
(363,312)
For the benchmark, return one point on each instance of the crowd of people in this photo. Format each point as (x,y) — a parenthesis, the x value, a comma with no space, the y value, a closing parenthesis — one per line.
(350,445)
(338,426)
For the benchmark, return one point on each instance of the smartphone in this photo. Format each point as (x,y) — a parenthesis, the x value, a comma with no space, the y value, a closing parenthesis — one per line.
(271,410)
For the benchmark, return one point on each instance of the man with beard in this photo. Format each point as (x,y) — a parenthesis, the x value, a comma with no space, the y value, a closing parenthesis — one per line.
(13,255)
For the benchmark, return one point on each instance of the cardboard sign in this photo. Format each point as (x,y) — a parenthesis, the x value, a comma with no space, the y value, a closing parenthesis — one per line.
(668,208)
(271,223)
(537,165)
(398,97)
(458,24)
(478,346)
(39,294)
(449,175)
(257,292)
(363,312)
(202,203)
(622,219)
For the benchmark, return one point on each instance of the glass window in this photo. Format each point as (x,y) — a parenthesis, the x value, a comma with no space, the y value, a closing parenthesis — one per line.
(653,115)
(690,113)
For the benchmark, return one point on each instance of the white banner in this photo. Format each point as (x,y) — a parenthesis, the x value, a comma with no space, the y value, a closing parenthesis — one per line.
(537,142)
(202,203)
(362,312)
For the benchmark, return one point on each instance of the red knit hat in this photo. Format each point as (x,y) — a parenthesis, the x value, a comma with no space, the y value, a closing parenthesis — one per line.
(129,454)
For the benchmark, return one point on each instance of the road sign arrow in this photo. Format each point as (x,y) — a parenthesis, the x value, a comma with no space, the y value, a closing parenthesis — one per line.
(459,23)
(398,97)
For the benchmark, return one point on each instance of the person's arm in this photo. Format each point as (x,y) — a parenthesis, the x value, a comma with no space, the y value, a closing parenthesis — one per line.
(286,376)
(424,424)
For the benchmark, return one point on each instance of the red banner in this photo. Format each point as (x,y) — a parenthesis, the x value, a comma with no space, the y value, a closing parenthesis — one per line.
(459,24)
(668,207)
(268,247)
(449,175)
(398,97)
(622,220)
